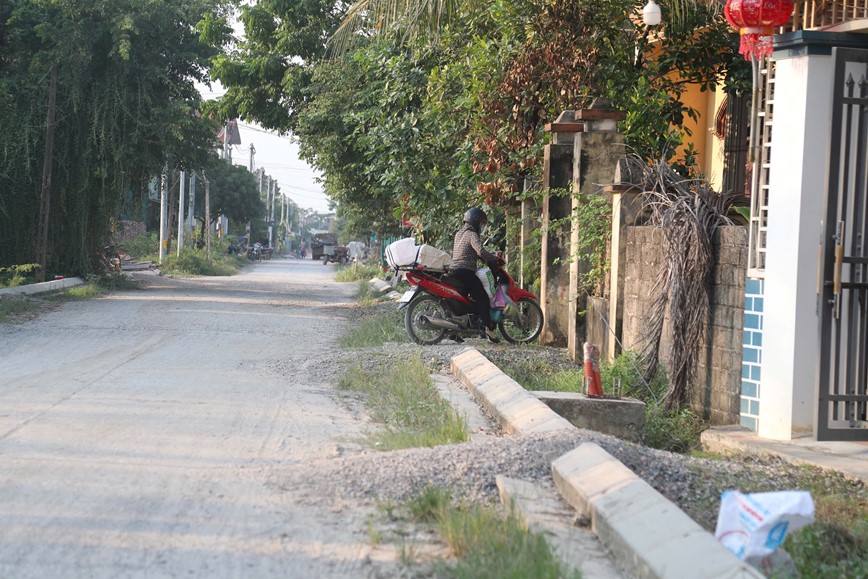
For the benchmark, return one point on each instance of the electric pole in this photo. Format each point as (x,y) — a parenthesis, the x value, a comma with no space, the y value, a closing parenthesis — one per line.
(207,220)
(181,223)
(192,205)
(164,208)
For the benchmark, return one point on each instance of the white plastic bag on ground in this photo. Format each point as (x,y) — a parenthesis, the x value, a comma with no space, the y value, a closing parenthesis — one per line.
(754,525)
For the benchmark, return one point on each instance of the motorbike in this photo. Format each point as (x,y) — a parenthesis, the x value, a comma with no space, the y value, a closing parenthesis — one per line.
(439,307)
(254,253)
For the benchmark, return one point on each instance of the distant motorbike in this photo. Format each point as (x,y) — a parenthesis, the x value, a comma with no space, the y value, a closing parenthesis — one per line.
(438,307)
(254,253)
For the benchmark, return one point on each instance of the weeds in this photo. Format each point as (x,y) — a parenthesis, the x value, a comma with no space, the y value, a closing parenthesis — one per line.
(375,331)
(358,272)
(404,399)
(492,545)
(487,542)
(15,306)
(194,262)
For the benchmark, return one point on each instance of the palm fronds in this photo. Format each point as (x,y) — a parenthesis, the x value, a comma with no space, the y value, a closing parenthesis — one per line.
(414,17)
(687,213)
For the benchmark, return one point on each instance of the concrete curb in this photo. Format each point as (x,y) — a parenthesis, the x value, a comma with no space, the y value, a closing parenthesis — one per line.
(516,410)
(36,288)
(646,532)
(649,534)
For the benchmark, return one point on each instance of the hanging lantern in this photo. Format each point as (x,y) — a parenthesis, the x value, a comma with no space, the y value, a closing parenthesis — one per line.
(756,21)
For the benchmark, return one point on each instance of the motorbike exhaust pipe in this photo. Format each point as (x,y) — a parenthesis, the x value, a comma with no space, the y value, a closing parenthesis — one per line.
(440,323)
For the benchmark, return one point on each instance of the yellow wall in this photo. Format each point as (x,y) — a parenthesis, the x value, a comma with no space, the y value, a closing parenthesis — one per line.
(709,148)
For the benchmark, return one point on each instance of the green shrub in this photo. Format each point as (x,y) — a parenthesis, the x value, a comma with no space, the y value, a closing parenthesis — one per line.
(193,262)
(675,431)
(16,275)
(145,247)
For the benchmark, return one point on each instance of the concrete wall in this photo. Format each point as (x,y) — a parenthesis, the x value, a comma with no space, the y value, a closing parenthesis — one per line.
(717,387)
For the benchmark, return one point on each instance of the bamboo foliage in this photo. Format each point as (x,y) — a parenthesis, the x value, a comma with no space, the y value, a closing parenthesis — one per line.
(687,213)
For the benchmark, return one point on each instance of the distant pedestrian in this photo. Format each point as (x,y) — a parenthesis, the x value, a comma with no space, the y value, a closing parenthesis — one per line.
(303,248)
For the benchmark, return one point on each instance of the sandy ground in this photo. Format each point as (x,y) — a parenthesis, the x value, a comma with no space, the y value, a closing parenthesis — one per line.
(141,433)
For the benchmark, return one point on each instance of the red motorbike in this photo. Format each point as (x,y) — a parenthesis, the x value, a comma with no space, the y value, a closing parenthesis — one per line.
(439,307)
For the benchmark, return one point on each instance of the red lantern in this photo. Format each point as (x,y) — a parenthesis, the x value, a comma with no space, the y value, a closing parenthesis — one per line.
(756,21)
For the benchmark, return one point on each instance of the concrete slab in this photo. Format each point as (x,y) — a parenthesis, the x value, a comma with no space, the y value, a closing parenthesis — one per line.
(848,458)
(36,288)
(543,512)
(621,417)
(647,533)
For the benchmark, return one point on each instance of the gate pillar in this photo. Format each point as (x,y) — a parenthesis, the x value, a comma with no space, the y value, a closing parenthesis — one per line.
(797,181)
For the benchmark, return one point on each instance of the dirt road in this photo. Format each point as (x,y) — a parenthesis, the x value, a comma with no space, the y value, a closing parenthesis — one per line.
(140,432)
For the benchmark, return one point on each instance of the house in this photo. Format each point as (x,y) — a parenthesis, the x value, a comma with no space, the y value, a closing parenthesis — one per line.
(805,357)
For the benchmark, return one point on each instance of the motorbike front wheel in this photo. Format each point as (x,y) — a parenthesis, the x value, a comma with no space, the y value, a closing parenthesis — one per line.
(523,325)
(419,330)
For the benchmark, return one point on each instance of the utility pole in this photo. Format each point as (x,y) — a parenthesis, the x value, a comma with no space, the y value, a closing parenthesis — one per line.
(164,208)
(207,220)
(181,222)
(192,206)
(45,200)
(250,168)
(269,212)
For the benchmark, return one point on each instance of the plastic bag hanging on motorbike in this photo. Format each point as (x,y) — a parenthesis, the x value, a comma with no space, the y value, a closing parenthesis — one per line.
(487,278)
(754,525)
(501,298)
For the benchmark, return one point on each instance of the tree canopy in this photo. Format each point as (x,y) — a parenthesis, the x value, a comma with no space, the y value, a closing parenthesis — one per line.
(427,106)
(126,102)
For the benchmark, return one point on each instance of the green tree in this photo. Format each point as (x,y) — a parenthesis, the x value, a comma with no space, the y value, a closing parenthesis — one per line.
(234,192)
(126,102)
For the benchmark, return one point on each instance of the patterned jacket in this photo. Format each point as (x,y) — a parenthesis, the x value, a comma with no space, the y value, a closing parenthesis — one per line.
(468,248)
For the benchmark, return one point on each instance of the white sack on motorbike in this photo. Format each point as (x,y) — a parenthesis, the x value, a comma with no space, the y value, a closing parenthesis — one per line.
(405,253)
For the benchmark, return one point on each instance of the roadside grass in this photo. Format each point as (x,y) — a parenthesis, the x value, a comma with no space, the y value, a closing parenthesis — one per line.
(488,542)
(403,398)
(194,262)
(10,307)
(366,296)
(375,331)
(357,272)
(836,544)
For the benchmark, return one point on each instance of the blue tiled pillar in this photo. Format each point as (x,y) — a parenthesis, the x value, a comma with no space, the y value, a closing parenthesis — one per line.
(751,360)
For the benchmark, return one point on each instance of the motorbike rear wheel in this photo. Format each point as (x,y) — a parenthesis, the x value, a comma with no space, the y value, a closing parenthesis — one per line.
(525,325)
(418,329)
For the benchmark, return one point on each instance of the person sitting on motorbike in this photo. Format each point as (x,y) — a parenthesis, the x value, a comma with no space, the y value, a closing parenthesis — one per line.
(466,250)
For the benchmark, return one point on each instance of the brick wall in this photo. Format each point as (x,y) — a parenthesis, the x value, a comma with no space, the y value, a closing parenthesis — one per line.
(717,386)
(126,230)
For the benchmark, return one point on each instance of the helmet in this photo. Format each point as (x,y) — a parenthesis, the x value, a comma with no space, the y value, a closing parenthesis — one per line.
(476,218)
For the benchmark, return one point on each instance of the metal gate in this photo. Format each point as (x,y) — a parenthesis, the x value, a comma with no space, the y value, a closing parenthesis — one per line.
(843,281)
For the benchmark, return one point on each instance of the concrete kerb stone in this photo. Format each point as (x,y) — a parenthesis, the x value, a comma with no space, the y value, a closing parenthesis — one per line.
(36,288)
(516,409)
(650,535)
(645,531)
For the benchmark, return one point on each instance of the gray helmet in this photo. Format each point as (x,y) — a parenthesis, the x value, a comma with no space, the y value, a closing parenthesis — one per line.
(477,218)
